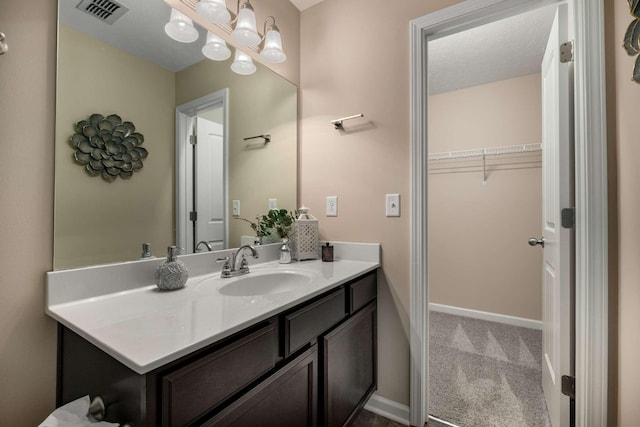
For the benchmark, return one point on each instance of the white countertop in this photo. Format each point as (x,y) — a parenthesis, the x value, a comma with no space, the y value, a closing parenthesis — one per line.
(145,328)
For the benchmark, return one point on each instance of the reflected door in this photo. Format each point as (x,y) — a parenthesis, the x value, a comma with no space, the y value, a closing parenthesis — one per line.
(209,184)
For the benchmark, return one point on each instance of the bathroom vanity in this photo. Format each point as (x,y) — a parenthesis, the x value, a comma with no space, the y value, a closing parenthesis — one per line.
(220,353)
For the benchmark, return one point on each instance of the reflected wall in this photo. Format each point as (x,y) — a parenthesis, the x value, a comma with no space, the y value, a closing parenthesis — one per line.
(100,222)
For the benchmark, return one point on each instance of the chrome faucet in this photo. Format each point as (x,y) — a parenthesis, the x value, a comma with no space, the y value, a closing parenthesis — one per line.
(232,267)
(207,244)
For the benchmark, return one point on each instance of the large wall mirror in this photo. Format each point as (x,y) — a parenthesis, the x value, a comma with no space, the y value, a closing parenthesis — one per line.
(167,90)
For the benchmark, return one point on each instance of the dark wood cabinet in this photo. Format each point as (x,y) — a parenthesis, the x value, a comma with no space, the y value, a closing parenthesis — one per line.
(362,291)
(311,365)
(349,366)
(304,325)
(286,398)
(190,392)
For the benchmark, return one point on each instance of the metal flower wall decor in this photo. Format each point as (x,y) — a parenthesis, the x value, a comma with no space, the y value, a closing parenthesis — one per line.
(632,37)
(108,146)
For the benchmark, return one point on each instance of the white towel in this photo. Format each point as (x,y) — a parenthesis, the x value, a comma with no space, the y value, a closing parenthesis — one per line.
(73,414)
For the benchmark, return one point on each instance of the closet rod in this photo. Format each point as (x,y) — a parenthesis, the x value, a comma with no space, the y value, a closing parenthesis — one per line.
(484,152)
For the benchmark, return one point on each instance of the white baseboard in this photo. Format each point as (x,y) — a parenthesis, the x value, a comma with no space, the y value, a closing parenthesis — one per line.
(388,408)
(485,315)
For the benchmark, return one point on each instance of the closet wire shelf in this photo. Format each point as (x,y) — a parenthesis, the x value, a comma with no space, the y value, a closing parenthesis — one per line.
(484,153)
(480,152)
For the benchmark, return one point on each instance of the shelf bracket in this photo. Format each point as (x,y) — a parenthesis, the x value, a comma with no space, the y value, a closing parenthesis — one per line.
(484,166)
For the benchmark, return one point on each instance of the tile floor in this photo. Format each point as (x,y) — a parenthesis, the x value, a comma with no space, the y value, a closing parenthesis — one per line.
(369,419)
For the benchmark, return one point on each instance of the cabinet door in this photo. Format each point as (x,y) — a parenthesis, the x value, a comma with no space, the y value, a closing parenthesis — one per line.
(286,398)
(191,391)
(349,367)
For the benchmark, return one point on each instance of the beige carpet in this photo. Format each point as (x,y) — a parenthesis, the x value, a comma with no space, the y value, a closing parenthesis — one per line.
(485,374)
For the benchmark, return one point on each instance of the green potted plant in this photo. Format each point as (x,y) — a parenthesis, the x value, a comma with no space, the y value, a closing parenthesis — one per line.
(261,227)
(281,221)
(278,221)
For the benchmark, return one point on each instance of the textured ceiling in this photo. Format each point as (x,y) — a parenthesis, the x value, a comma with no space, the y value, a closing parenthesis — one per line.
(500,50)
(140,32)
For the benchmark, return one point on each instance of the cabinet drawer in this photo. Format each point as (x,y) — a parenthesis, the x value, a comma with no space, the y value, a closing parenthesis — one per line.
(286,398)
(362,291)
(192,391)
(305,324)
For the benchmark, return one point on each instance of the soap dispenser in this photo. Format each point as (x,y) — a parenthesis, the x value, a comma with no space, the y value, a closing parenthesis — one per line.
(172,274)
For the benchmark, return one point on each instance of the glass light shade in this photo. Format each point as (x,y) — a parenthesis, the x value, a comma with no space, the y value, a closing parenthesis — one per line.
(180,28)
(216,48)
(272,51)
(243,64)
(245,32)
(214,11)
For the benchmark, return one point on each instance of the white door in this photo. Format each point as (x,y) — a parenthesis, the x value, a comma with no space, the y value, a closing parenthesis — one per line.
(557,194)
(209,184)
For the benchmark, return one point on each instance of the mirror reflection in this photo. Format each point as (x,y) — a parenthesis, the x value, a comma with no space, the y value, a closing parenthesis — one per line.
(168,91)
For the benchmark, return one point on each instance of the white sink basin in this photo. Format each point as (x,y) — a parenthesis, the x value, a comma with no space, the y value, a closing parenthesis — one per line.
(260,282)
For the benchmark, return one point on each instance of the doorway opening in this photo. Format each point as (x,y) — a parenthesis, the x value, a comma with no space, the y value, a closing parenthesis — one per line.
(590,196)
(202,173)
(484,203)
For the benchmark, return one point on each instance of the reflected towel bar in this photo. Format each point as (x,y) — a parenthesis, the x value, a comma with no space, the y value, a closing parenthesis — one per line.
(267,138)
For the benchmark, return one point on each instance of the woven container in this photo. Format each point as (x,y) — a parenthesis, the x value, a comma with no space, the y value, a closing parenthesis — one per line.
(304,239)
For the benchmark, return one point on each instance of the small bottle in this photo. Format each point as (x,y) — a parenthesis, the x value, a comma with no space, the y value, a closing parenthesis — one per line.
(146,252)
(285,252)
(172,274)
(327,253)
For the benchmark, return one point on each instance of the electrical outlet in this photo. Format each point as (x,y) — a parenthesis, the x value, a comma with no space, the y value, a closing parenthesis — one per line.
(393,204)
(235,210)
(273,204)
(332,205)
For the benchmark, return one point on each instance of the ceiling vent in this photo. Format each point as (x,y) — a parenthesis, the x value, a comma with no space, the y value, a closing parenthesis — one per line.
(107,11)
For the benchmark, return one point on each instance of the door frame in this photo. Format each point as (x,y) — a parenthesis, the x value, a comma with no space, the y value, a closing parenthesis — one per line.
(184,161)
(591,258)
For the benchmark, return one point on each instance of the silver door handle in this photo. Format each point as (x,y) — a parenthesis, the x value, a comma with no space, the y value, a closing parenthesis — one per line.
(533,241)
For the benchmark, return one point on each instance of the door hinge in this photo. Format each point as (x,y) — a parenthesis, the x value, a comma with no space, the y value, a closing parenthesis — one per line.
(569,386)
(568,217)
(193,216)
(193,139)
(566,52)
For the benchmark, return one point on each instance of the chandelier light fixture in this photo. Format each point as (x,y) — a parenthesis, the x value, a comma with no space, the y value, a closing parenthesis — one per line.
(180,28)
(243,32)
(243,64)
(216,48)
(272,48)
(214,11)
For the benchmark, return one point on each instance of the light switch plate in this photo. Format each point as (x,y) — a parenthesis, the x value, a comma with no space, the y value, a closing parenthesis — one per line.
(393,204)
(273,204)
(236,208)
(332,205)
